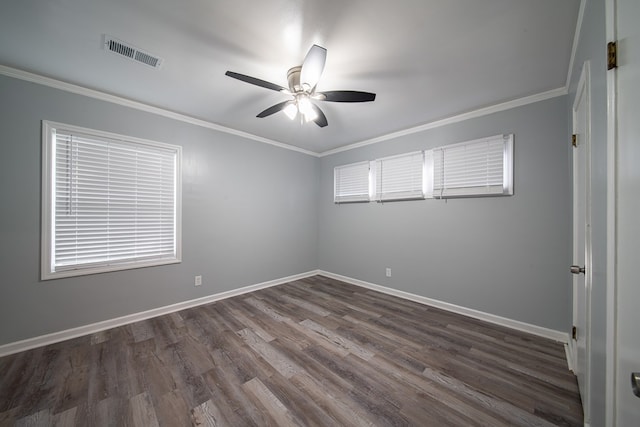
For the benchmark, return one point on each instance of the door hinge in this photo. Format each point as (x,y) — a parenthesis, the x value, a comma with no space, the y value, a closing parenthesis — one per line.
(612,55)
(574,140)
(574,333)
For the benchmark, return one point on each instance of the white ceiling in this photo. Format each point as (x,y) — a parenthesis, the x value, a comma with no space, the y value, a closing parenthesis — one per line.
(425,59)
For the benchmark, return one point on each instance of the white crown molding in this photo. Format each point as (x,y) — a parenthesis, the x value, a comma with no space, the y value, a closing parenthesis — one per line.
(476,314)
(92,328)
(454,119)
(69,87)
(91,93)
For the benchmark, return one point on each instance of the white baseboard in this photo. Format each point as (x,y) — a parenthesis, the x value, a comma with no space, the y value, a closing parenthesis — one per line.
(55,337)
(569,352)
(552,334)
(92,328)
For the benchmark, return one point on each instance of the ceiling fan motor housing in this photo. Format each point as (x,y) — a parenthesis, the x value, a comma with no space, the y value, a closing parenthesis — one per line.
(293,78)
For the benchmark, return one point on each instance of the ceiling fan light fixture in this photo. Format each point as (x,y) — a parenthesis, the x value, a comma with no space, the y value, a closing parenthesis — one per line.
(304,105)
(310,116)
(306,108)
(291,111)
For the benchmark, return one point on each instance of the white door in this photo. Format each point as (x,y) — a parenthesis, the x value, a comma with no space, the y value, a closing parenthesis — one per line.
(581,267)
(628,210)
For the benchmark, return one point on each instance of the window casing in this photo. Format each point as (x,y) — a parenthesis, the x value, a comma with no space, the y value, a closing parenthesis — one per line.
(110,202)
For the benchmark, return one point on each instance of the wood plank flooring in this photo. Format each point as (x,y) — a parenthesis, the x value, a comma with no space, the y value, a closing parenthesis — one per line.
(314,352)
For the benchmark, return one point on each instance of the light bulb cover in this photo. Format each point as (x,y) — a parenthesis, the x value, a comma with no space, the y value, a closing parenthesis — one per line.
(306,108)
(304,105)
(310,115)
(291,111)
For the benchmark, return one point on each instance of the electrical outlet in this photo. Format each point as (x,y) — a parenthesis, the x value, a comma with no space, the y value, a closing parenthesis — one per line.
(388,272)
(198,281)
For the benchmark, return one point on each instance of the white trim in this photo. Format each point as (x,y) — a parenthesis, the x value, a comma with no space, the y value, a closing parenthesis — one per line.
(576,40)
(91,93)
(92,328)
(46,194)
(589,239)
(568,352)
(583,94)
(552,334)
(454,119)
(612,154)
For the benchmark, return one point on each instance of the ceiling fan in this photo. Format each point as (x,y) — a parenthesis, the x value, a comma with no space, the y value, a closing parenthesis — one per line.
(303,80)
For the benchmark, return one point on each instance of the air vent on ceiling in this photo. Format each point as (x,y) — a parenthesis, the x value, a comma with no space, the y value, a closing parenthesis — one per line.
(127,50)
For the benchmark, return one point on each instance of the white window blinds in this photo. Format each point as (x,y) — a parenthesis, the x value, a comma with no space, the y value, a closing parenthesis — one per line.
(351,183)
(400,177)
(474,168)
(114,203)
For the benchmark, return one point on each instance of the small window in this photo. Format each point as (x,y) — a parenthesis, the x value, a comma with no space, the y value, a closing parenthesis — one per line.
(351,183)
(483,167)
(400,177)
(110,202)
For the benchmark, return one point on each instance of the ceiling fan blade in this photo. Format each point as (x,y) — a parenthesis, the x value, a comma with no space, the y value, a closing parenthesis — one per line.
(254,81)
(321,119)
(274,109)
(346,96)
(313,66)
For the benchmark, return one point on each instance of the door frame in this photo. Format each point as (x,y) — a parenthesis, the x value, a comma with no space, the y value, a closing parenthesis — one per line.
(583,90)
(611,279)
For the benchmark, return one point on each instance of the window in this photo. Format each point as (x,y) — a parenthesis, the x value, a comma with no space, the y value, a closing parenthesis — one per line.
(351,183)
(110,202)
(400,177)
(483,167)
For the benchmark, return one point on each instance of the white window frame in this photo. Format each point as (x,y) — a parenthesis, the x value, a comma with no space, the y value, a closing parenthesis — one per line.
(505,188)
(48,270)
(396,185)
(339,196)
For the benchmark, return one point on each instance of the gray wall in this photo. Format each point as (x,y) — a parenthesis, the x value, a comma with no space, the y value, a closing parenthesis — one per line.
(249,215)
(502,255)
(253,212)
(592,47)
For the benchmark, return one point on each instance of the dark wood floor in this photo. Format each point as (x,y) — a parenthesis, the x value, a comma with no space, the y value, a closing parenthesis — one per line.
(311,352)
